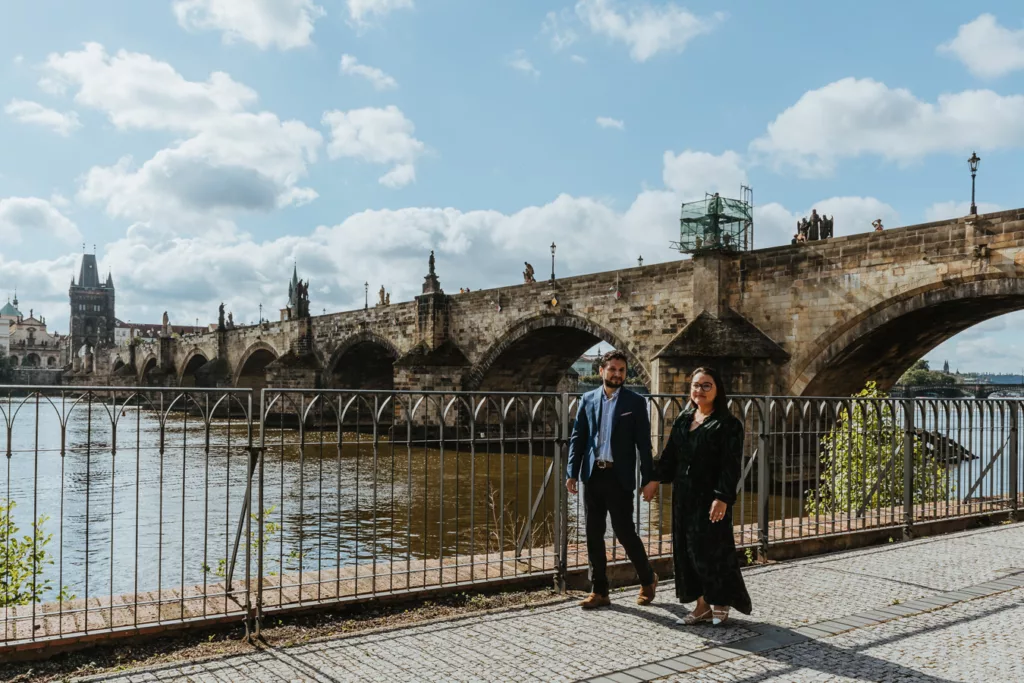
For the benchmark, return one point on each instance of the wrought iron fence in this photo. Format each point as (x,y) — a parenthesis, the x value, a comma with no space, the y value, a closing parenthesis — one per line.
(135,509)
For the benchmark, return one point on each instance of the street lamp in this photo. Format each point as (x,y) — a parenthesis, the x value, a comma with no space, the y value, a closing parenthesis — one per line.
(261,313)
(973,161)
(366,296)
(552,261)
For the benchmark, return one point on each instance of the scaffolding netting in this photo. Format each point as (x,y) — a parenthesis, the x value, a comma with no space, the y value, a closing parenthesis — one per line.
(715,222)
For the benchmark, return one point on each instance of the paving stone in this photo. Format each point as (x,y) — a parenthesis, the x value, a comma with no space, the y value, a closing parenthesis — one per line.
(824,618)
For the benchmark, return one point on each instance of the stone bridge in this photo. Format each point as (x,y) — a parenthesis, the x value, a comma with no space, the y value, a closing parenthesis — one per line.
(814,319)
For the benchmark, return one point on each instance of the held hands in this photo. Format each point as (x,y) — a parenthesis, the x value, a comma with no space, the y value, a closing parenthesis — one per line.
(571,486)
(717,511)
(649,491)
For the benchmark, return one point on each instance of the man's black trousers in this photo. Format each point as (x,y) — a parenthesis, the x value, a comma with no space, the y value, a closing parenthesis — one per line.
(604,495)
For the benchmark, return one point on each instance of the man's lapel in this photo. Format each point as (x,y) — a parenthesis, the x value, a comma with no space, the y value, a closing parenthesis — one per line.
(595,411)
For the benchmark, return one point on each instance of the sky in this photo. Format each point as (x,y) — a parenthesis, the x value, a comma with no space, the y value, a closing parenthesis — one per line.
(206,146)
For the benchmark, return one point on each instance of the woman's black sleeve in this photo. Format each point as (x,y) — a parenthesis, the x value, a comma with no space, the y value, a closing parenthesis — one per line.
(730,460)
(665,465)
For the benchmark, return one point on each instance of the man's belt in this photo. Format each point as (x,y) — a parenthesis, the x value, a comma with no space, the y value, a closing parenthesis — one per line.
(603,464)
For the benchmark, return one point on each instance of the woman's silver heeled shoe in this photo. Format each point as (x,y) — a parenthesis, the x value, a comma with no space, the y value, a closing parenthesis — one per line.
(719,615)
(695,618)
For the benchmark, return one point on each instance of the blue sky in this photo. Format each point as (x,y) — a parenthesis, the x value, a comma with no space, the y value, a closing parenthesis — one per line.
(206,145)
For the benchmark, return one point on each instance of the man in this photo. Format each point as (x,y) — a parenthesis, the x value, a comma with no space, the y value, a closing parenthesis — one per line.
(611,430)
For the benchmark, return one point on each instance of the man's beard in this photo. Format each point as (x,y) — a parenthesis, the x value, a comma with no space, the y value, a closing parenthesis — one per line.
(612,383)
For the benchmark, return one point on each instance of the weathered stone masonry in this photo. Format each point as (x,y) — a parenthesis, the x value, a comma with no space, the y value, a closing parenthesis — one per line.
(820,318)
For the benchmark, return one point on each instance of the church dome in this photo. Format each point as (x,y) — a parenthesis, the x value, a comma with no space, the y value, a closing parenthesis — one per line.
(10,310)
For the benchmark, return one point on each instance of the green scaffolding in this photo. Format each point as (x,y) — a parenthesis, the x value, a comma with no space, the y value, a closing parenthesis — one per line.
(716,222)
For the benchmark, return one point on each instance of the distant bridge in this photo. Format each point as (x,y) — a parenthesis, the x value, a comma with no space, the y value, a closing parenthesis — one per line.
(966,390)
(816,319)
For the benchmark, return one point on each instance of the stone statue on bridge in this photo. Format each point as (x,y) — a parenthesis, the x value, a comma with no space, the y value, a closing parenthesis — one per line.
(231,321)
(387,299)
(166,331)
(528,277)
(302,299)
(383,296)
(430,264)
(220,317)
(827,227)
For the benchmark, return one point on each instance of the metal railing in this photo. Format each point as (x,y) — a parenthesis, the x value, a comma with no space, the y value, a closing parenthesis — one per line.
(148,508)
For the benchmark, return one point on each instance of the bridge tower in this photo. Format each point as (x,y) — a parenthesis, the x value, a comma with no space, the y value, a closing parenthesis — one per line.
(92,308)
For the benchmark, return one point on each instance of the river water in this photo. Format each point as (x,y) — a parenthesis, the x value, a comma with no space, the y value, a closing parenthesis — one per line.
(128,515)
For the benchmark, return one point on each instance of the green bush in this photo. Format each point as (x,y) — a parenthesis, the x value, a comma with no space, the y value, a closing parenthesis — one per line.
(22,561)
(862,461)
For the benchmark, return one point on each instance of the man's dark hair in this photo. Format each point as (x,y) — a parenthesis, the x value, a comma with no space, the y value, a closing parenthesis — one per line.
(614,354)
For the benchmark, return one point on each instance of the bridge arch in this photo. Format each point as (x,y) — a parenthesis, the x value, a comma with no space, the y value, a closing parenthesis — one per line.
(535,353)
(193,361)
(147,367)
(883,341)
(251,371)
(362,361)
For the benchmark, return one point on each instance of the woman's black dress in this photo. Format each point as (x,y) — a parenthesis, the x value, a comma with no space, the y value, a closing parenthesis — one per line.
(703,465)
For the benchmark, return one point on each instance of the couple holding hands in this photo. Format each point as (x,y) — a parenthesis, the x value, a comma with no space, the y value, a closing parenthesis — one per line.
(702,461)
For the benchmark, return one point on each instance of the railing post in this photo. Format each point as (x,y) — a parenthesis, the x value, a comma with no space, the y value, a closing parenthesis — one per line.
(1014,462)
(908,469)
(763,478)
(561,535)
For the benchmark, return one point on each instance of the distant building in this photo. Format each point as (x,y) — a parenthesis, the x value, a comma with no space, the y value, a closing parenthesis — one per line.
(124,332)
(26,340)
(584,367)
(945,367)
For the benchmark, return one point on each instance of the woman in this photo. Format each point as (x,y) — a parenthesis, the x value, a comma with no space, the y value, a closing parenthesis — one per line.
(702,461)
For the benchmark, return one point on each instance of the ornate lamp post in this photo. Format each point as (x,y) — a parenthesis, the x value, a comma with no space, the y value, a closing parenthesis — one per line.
(366,296)
(973,161)
(552,261)
(261,314)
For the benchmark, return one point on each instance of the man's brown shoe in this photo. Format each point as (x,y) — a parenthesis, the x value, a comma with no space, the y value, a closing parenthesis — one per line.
(595,600)
(646,596)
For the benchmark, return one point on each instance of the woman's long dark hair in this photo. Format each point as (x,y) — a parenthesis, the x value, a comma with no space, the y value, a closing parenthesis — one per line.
(721,403)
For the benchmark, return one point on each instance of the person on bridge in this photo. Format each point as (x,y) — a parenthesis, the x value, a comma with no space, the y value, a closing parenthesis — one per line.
(702,460)
(610,432)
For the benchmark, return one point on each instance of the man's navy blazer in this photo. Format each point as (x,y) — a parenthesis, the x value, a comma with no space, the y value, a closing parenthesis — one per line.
(631,437)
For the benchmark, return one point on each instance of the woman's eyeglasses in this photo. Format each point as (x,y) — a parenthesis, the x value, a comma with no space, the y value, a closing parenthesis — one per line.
(705,387)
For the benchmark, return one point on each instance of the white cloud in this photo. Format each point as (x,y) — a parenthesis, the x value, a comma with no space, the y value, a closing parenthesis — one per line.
(137,91)
(578,59)
(35,113)
(247,162)
(520,62)
(941,211)
(691,173)
(228,160)
(377,78)
(285,24)
(360,10)
(646,29)
(19,59)
(380,136)
(558,35)
(854,117)
(35,219)
(607,122)
(987,49)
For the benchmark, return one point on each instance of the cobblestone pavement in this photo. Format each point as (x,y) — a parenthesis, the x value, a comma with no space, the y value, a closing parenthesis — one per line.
(892,613)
